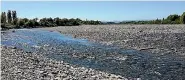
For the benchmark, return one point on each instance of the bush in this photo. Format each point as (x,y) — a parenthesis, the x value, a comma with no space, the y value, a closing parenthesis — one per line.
(10,26)
(182,18)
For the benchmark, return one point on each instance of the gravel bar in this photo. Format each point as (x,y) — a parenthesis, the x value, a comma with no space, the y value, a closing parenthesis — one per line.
(17,64)
(160,39)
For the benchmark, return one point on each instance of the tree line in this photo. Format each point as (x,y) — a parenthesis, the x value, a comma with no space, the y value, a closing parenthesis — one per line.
(171,19)
(10,20)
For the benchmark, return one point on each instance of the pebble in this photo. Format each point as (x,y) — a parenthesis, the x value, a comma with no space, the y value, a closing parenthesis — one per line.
(45,68)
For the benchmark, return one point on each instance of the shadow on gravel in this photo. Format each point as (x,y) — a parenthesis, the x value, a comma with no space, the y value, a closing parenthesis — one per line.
(128,63)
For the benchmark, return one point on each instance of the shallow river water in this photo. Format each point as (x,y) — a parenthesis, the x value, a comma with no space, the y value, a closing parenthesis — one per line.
(111,59)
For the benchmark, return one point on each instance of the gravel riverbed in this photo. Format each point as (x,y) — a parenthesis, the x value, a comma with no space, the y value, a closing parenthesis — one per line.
(17,64)
(162,54)
(159,39)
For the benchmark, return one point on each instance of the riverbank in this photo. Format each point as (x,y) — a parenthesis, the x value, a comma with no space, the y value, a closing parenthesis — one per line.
(159,39)
(18,64)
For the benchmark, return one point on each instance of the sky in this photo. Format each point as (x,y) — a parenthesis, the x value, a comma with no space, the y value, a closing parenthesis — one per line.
(95,10)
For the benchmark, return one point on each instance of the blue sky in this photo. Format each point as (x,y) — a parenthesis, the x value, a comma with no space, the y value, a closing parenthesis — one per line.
(95,10)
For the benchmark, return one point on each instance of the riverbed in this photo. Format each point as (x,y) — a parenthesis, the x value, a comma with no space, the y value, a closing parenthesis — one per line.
(127,62)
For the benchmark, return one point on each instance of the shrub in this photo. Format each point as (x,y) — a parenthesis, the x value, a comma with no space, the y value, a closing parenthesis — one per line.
(182,18)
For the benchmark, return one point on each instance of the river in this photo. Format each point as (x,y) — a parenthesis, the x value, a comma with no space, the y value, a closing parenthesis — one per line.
(128,63)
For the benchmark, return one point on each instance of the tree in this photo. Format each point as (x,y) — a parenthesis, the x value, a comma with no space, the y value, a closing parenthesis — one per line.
(3,20)
(157,21)
(73,22)
(182,18)
(3,17)
(42,22)
(35,20)
(14,16)
(162,22)
(173,17)
(47,22)
(25,20)
(9,15)
(51,22)
(64,22)
(21,22)
(79,21)
(30,23)
(177,21)
(57,21)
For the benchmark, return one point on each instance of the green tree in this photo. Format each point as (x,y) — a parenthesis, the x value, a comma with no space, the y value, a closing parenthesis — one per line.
(50,20)
(162,22)
(79,21)
(14,16)
(30,24)
(177,21)
(21,22)
(43,22)
(35,20)
(73,22)
(173,17)
(157,21)
(182,18)
(3,17)
(64,22)
(57,21)
(9,15)
(3,20)
(25,20)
